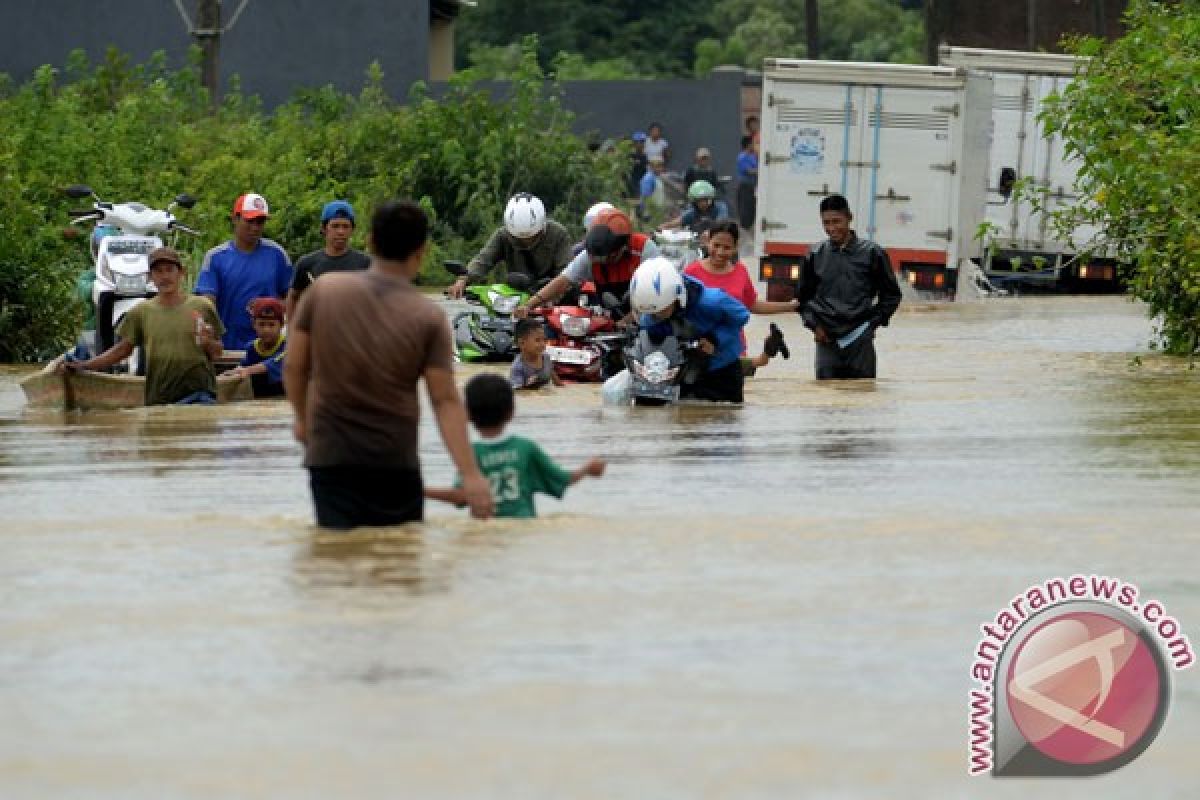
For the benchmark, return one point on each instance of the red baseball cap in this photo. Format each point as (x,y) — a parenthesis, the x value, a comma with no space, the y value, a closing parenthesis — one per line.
(266,308)
(251,206)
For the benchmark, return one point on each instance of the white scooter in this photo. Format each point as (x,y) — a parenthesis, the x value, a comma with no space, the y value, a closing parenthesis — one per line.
(121,260)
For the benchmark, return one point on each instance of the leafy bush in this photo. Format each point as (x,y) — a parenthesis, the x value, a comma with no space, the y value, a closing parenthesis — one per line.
(147,133)
(1131,117)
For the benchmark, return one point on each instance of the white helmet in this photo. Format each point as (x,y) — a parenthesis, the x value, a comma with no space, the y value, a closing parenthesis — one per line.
(594,211)
(524,216)
(655,285)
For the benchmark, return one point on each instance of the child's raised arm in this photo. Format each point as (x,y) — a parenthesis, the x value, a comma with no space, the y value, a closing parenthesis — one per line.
(594,467)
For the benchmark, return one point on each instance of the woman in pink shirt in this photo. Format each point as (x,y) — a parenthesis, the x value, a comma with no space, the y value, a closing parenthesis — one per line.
(722,270)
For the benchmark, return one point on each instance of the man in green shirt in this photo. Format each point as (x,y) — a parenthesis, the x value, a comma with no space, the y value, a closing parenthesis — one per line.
(515,466)
(180,334)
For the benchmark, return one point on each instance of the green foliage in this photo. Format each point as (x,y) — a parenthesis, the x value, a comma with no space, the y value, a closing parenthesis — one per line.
(147,133)
(627,38)
(1131,117)
(617,39)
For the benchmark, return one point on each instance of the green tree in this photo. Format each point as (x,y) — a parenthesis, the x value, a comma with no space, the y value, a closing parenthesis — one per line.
(849,30)
(1131,117)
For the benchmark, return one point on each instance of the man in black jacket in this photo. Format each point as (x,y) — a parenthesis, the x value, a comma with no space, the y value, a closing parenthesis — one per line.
(847,290)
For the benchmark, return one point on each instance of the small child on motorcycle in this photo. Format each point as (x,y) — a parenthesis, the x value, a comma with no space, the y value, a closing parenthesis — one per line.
(532,369)
(263,362)
(515,466)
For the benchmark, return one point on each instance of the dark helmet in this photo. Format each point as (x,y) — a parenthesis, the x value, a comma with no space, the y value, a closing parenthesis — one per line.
(609,233)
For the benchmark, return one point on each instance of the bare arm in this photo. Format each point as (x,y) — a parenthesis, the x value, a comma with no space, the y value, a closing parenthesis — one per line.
(113,355)
(456,496)
(297,371)
(773,307)
(547,294)
(594,467)
(452,424)
(293,297)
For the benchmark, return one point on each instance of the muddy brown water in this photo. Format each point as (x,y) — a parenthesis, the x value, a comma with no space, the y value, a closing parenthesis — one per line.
(774,601)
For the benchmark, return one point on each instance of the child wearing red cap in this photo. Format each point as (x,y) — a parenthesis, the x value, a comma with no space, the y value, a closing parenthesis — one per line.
(263,362)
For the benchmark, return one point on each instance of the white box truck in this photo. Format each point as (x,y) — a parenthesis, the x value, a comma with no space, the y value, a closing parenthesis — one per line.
(906,145)
(1025,251)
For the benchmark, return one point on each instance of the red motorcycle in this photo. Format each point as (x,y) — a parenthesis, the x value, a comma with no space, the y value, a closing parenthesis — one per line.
(583,337)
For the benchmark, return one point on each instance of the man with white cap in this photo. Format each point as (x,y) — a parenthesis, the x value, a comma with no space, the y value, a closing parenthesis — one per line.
(246,267)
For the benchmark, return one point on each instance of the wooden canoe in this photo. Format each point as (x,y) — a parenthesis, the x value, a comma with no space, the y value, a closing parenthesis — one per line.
(85,391)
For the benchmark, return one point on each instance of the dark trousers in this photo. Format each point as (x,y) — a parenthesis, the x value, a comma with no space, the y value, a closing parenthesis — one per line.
(855,361)
(351,496)
(746,204)
(722,385)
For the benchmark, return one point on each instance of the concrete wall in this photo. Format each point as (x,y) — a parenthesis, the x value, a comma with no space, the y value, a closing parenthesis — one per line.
(274,46)
(693,113)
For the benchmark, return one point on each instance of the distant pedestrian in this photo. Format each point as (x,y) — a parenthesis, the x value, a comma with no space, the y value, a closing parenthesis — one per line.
(638,164)
(656,145)
(337,226)
(847,290)
(701,169)
(360,343)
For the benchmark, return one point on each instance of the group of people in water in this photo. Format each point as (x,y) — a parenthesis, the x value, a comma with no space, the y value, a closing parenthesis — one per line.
(359,338)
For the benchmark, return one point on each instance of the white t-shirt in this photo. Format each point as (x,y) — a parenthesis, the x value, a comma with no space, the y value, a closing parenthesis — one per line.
(655,149)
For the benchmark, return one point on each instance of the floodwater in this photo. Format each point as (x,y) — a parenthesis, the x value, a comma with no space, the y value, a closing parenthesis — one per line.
(775,601)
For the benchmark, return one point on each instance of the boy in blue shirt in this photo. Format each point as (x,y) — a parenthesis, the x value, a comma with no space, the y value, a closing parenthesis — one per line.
(515,466)
(263,362)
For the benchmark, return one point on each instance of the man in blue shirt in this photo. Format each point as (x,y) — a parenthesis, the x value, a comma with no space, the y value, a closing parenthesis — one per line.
(243,269)
(668,302)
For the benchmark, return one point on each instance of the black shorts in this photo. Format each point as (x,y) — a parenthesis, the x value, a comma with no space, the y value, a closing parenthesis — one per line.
(352,496)
(722,385)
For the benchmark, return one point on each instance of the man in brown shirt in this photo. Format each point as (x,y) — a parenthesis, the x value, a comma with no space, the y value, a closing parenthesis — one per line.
(358,346)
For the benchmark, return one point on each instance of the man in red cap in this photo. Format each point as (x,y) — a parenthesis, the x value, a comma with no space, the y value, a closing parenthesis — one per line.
(263,362)
(246,267)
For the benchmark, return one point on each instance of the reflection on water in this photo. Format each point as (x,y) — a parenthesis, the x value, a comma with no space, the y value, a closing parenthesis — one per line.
(777,600)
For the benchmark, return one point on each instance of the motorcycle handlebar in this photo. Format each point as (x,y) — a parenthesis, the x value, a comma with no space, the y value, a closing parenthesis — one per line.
(88,212)
(177,227)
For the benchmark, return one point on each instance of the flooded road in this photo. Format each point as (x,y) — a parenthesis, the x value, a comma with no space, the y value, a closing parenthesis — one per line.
(775,601)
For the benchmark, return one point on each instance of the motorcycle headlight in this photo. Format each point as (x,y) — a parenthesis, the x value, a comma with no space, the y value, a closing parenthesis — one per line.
(575,326)
(131,284)
(657,367)
(504,304)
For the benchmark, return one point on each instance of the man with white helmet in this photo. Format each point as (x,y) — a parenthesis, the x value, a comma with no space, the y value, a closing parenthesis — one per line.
(670,303)
(528,242)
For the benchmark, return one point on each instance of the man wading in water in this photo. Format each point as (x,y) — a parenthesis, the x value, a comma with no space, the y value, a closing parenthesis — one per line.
(360,343)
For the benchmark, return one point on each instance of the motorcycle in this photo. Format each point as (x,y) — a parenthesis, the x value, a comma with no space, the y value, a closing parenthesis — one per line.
(490,335)
(682,246)
(656,369)
(585,342)
(121,259)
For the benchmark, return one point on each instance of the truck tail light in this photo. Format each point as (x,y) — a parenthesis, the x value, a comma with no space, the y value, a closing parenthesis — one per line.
(768,271)
(795,272)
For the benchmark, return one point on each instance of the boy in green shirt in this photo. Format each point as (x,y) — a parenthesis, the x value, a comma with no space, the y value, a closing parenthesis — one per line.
(515,466)
(180,333)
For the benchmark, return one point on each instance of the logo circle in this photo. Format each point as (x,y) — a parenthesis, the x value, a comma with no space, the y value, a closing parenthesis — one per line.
(1085,688)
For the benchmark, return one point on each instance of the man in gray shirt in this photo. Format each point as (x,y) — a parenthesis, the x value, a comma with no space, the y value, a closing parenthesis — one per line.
(337,226)
(528,242)
(842,278)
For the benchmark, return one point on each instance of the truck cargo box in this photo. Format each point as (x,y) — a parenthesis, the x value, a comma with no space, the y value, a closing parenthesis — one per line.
(906,145)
